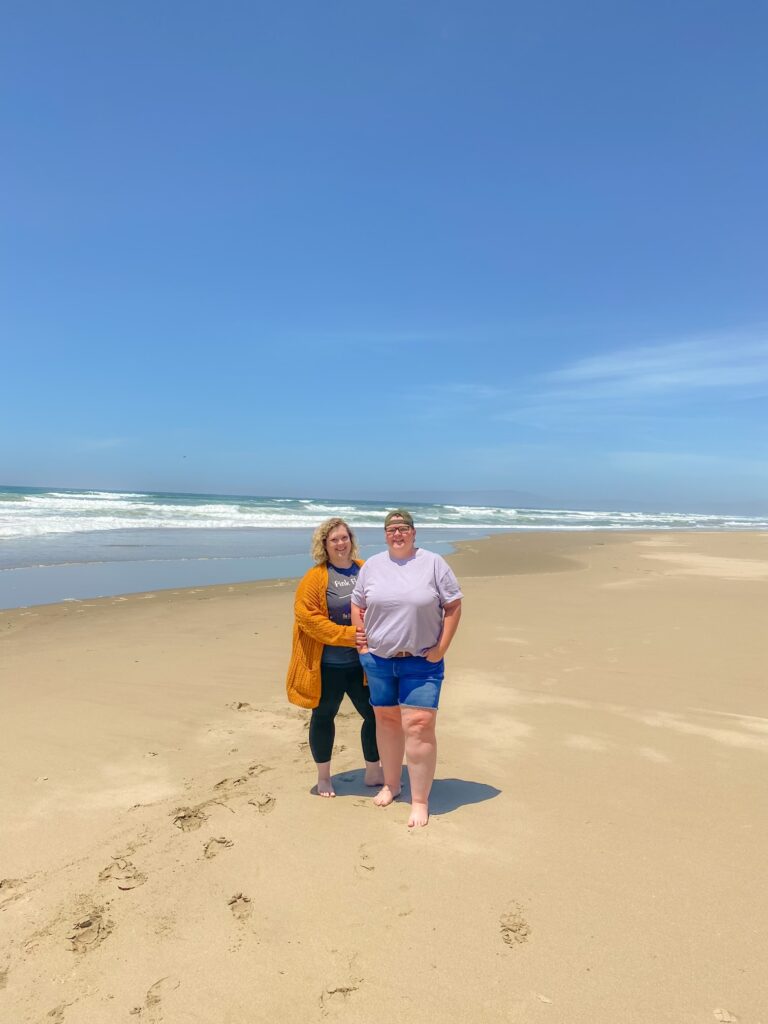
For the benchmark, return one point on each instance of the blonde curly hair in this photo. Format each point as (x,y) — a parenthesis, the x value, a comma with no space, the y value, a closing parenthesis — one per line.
(319,537)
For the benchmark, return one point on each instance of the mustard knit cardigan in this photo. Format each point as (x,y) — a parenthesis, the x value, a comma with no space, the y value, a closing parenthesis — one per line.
(312,629)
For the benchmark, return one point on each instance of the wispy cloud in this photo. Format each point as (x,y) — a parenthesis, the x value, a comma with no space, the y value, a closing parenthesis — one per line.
(730,360)
(698,463)
(630,385)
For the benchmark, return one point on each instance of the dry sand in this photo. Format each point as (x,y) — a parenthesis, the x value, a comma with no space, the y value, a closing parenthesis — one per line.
(597,851)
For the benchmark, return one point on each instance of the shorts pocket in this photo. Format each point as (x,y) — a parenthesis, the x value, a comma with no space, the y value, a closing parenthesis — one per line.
(428,668)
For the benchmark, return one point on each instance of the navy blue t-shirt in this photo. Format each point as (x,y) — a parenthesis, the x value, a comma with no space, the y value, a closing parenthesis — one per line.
(341,583)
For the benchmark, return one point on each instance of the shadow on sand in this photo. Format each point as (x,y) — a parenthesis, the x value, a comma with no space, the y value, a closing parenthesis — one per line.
(447,794)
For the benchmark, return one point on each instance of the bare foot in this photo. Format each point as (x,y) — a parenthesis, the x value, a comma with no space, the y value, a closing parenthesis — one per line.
(419,815)
(385,796)
(374,776)
(325,788)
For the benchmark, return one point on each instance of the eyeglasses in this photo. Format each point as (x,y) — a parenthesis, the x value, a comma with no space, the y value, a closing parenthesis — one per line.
(392,530)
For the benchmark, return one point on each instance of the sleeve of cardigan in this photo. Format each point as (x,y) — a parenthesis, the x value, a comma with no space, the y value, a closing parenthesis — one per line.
(314,622)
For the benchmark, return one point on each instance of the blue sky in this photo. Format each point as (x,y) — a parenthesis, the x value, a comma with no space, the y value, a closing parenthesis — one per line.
(351,248)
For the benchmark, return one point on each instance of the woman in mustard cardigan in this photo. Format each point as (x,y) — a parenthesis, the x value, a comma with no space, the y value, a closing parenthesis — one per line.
(324,660)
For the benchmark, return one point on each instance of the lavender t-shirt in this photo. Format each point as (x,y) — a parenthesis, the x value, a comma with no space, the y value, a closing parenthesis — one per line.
(403,601)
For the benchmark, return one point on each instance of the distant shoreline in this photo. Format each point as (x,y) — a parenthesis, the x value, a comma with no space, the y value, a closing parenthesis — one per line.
(502,554)
(77,545)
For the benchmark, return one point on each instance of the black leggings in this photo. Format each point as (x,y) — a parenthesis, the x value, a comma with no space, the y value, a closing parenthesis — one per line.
(336,681)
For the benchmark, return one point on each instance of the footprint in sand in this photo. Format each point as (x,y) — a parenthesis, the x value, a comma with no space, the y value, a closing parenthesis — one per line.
(365,864)
(215,845)
(90,931)
(335,996)
(153,1001)
(3,978)
(124,873)
(241,705)
(257,769)
(189,819)
(7,887)
(240,906)
(56,1015)
(231,783)
(514,928)
(264,803)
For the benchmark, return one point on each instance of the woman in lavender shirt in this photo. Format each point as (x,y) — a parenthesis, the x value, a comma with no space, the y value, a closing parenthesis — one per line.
(411,602)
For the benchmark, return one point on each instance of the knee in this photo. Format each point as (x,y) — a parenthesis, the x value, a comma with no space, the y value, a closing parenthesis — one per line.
(389,718)
(322,717)
(420,725)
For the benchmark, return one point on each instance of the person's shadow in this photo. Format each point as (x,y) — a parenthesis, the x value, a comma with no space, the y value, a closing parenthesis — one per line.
(447,794)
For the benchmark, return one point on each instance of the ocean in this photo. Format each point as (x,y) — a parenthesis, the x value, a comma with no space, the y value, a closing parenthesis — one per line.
(60,545)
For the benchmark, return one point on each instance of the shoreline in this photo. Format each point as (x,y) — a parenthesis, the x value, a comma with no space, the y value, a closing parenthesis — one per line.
(598,816)
(82,567)
(504,553)
(85,566)
(248,586)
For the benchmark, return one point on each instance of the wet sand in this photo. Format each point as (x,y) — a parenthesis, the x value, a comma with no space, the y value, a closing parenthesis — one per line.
(599,832)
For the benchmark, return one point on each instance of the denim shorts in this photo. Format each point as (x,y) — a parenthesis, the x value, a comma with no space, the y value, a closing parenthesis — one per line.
(411,682)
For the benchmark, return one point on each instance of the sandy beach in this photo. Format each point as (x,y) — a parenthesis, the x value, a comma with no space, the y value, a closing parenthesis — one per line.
(599,828)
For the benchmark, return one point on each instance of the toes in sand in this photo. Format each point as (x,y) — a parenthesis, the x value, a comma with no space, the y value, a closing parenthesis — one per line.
(385,796)
(419,814)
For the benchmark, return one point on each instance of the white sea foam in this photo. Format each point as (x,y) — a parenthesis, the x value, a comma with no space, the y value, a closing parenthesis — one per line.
(39,513)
